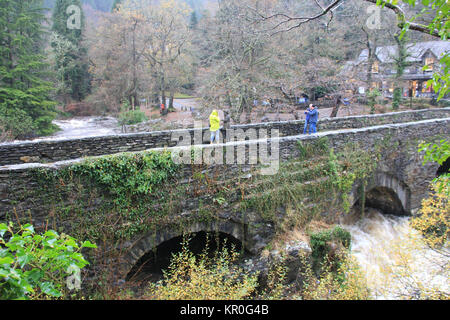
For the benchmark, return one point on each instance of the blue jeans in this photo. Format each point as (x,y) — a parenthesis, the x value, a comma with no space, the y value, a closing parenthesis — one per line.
(306,127)
(215,136)
(312,127)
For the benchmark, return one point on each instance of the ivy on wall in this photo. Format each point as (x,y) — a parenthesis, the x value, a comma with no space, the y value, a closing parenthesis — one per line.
(127,192)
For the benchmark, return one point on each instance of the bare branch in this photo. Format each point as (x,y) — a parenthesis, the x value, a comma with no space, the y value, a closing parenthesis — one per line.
(401,17)
(402,21)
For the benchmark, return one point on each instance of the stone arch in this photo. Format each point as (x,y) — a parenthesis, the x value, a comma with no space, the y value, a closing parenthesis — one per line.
(153,239)
(385,192)
(444,168)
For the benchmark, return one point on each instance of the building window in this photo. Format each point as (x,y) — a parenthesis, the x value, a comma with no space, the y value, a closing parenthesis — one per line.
(429,62)
(391,88)
(375,85)
(375,67)
(426,88)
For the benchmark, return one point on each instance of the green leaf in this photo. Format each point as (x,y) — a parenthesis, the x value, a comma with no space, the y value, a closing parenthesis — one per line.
(6,260)
(34,275)
(24,259)
(28,227)
(3,229)
(49,289)
(88,244)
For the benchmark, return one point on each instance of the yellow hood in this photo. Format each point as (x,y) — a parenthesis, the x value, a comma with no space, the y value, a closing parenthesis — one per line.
(214,121)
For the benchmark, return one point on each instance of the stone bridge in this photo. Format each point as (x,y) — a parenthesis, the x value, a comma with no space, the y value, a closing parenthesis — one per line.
(230,198)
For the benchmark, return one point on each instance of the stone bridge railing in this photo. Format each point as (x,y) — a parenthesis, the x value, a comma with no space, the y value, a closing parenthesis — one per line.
(58,150)
(404,164)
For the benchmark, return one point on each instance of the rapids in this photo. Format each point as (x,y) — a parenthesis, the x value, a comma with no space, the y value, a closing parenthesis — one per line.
(396,262)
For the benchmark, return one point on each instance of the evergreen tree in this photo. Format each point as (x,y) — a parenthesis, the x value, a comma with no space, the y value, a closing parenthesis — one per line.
(25,104)
(70,54)
(193,21)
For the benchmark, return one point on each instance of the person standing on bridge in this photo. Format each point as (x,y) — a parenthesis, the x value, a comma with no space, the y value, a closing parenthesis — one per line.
(307,120)
(313,117)
(214,126)
(226,119)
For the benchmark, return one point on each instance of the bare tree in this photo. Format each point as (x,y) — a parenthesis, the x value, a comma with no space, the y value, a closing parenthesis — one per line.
(241,61)
(135,51)
(116,53)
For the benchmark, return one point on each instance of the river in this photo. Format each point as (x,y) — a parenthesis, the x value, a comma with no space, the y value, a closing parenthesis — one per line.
(86,127)
(81,127)
(396,263)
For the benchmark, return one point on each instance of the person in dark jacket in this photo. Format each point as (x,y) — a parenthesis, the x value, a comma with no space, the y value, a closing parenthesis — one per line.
(307,120)
(313,117)
(226,120)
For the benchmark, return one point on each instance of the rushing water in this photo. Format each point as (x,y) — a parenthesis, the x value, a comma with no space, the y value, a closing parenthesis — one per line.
(82,127)
(396,262)
(86,127)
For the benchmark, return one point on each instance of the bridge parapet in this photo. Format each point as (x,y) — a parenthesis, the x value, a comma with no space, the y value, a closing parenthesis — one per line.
(46,151)
(404,163)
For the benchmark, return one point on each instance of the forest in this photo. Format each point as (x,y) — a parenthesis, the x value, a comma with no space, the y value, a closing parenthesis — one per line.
(228,54)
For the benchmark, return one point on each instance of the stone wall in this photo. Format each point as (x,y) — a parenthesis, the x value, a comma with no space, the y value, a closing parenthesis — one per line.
(66,149)
(403,163)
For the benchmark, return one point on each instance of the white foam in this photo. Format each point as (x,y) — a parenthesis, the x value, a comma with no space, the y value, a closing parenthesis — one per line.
(387,249)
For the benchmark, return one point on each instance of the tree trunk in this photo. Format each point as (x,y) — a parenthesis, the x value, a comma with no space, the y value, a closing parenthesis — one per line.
(166,109)
(335,110)
(290,98)
(295,113)
(155,98)
(248,118)
(172,94)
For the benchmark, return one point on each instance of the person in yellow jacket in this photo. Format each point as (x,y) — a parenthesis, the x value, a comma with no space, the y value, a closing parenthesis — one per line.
(214,126)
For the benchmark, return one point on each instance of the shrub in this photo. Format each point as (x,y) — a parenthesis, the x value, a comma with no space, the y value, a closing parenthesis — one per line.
(322,242)
(126,176)
(348,282)
(379,108)
(438,153)
(35,266)
(433,222)
(132,117)
(434,219)
(372,99)
(80,109)
(5,135)
(199,278)
(16,123)
(397,98)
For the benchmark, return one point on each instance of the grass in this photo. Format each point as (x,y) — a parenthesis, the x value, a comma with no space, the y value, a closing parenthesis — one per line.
(179,95)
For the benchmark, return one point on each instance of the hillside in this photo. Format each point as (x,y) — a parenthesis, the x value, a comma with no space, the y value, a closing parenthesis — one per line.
(105,5)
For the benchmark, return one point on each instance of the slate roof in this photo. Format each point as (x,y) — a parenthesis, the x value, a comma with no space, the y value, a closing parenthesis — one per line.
(415,51)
